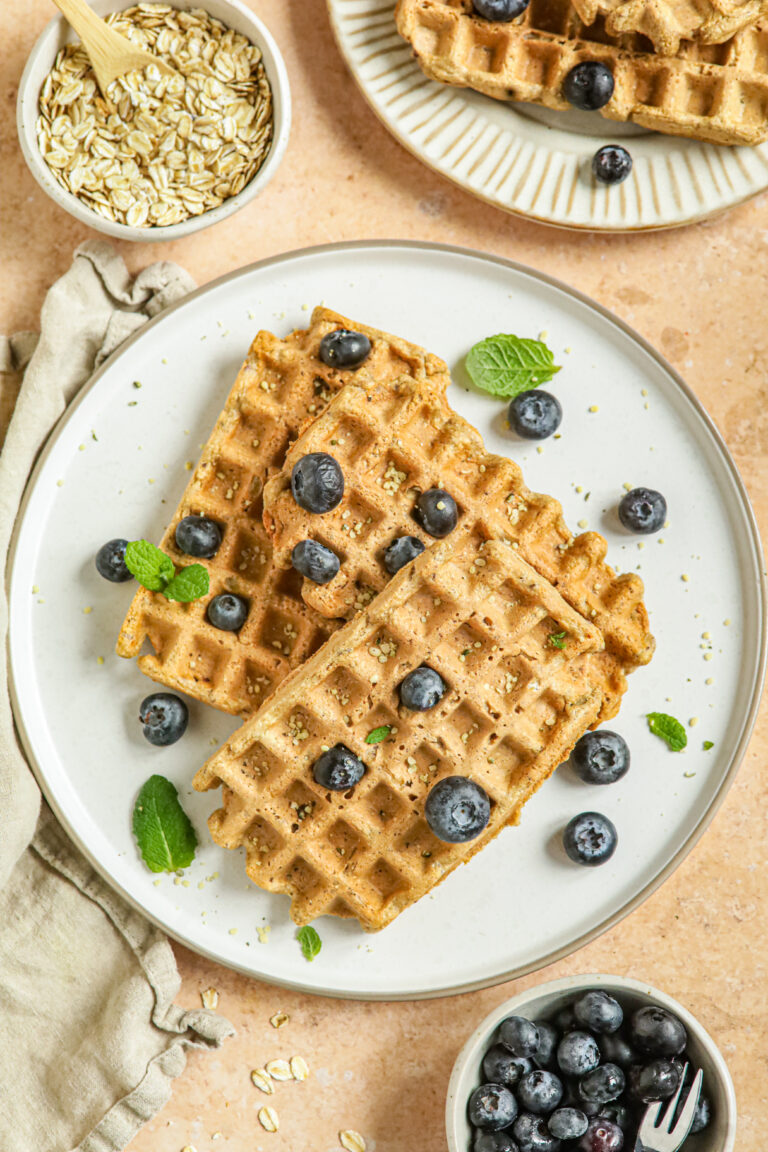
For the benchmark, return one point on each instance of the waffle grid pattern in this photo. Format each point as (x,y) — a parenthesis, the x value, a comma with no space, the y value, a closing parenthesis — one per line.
(666,23)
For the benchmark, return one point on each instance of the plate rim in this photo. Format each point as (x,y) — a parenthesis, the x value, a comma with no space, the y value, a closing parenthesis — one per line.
(760,639)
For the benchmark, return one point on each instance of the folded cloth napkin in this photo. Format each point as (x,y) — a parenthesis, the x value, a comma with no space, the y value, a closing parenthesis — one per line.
(90,1038)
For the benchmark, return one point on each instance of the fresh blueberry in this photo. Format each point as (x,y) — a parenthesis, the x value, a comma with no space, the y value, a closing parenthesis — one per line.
(422,689)
(545,1054)
(338,769)
(616,1049)
(588,86)
(590,838)
(565,1018)
(657,1080)
(457,809)
(601,1136)
(540,1091)
(317,482)
(520,1035)
(491,1107)
(568,1123)
(400,552)
(602,1084)
(617,1113)
(227,612)
(535,414)
(657,1032)
(600,758)
(164,717)
(436,511)
(344,349)
(532,1134)
(501,1066)
(611,164)
(500,11)
(643,510)
(493,1142)
(702,1116)
(198,536)
(577,1053)
(110,561)
(315,561)
(599,1012)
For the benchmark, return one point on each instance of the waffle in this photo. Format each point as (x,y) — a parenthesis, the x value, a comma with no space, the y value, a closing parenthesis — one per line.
(281,384)
(709,92)
(512,712)
(396,440)
(667,22)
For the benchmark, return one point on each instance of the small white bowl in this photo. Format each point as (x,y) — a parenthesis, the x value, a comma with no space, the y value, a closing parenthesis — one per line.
(542,1003)
(55,35)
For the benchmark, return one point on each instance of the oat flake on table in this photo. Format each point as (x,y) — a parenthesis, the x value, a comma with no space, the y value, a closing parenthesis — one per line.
(174,146)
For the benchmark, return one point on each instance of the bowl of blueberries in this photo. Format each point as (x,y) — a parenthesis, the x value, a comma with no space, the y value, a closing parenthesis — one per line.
(573,1066)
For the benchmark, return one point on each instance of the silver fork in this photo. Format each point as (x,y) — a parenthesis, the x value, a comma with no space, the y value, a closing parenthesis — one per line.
(656,1132)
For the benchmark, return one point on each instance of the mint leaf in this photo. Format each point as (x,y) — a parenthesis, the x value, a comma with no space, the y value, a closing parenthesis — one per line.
(163,830)
(188,584)
(151,567)
(507,365)
(557,639)
(310,941)
(378,734)
(707,745)
(668,729)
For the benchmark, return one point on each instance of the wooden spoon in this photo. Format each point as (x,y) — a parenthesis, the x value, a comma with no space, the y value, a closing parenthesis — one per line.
(110,53)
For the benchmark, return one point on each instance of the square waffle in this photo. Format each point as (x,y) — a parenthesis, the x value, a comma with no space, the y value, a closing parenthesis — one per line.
(708,92)
(282,384)
(513,710)
(398,440)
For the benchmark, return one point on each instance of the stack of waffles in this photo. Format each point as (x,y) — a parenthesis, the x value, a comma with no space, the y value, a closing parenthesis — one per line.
(319,665)
(696,68)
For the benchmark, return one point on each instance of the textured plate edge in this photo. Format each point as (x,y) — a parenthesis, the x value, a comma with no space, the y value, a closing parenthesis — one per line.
(760,649)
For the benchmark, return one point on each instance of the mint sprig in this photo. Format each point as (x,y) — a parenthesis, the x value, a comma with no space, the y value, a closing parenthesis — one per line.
(668,729)
(707,745)
(557,639)
(506,365)
(163,831)
(156,572)
(376,735)
(310,942)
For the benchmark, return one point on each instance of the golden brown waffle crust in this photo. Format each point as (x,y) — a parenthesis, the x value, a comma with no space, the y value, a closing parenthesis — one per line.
(512,712)
(668,22)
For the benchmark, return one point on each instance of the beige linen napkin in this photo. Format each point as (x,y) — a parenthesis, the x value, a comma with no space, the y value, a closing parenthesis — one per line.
(90,1038)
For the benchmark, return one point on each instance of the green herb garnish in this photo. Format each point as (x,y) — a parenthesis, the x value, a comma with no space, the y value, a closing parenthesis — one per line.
(707,745)
(557,639)
(163,830)
(669,729)
(507,365)
(155,572)
(310,942)
(378,734)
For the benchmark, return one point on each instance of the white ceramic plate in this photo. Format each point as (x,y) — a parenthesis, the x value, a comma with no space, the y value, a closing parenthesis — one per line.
(115,466)
(531,160)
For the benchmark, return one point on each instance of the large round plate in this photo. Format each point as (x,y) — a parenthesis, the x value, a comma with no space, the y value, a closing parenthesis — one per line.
(116,466)
(530,160)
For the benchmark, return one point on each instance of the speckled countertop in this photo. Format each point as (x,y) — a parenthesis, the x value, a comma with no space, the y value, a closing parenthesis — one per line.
(699,295)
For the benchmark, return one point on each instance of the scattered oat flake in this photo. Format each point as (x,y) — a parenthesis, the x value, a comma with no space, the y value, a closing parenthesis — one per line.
(279,1069)
(269,1119)
(279,1019)
(263,933)
(299,1068)
(351,1140)
(261,1080)
(209,997)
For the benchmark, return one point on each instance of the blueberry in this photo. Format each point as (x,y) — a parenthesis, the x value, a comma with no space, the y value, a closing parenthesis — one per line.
(535,414)
(400,552)
(617,1113)
(601,1136)
(611,164)
(317,482)
(602,1084)
(344,349)
(568,1123)
(110,561)
(657,1080)
(493,1142)
(520,1035)
(565,1018)
(616,1049)
(491,1107)
(544,1056)
(540,1091)
(702,1116)
(500,11)
(422,689)
(502,1066)
(643,510)
(457,809)
(227,612)
(338,769)
(532,1134)
(436,511)
(657,1032)
(598,1012)
(164,717)
(588,86)
(600,758)
(577,1053)
(315,561)
(590,838)
(198,536)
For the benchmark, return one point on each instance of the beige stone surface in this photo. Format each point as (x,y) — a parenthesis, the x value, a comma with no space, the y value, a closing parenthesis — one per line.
(699,295)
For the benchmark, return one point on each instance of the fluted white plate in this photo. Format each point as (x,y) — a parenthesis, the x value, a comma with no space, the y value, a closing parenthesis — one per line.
(534,161)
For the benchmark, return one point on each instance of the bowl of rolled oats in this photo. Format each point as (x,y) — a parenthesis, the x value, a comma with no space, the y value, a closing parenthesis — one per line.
(166,154)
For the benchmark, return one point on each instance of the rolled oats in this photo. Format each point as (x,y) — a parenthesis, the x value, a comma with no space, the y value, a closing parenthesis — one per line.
(351,1140)
(261,1079)
(279,1070)
(209,997)
(269,1119)
(299,1068)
